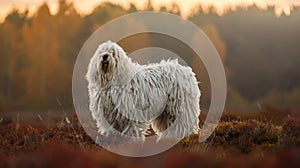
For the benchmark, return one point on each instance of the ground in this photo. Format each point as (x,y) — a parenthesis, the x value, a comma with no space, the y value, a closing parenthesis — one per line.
(237,141)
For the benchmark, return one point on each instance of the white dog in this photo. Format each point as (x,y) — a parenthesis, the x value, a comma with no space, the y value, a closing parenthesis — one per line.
(129,98)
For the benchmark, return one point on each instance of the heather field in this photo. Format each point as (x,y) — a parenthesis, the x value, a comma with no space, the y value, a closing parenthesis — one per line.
(237,141)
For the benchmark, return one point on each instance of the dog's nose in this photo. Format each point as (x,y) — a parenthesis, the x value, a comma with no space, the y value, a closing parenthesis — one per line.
(105,57)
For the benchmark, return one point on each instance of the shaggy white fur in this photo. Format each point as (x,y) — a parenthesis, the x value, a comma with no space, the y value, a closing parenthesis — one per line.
(131,97)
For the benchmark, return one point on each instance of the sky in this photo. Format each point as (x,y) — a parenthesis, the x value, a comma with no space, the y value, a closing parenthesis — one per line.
(87,6)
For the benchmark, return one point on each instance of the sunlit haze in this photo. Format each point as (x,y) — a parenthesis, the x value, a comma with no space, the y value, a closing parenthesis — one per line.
(187,6)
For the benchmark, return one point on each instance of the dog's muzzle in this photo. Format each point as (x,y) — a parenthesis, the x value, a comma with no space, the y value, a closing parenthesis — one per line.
(105,62)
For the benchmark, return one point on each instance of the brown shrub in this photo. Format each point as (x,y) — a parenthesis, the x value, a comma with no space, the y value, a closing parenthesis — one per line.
(245,135)
(291,133)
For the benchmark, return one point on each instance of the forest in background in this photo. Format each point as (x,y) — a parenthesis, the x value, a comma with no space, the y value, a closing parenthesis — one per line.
(37,53)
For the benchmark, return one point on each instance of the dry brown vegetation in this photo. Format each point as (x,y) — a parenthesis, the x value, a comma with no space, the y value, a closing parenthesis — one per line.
(235,142)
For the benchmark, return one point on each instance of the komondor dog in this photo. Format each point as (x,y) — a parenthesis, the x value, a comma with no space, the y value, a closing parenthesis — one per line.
(130,98)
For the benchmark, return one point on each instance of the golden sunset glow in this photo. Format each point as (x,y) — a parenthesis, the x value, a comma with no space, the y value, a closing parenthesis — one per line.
(187,6)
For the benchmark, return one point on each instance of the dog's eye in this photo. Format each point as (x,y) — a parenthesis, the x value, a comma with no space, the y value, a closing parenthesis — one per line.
(113,52)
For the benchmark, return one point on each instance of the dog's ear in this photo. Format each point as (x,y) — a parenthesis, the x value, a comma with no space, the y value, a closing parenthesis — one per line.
(92,71)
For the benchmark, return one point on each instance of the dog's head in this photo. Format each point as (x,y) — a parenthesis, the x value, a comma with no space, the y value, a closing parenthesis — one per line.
(107,58)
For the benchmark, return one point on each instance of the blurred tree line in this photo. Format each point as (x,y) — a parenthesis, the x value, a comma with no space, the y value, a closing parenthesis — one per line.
(260,51)
(262,54)
(37,53)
